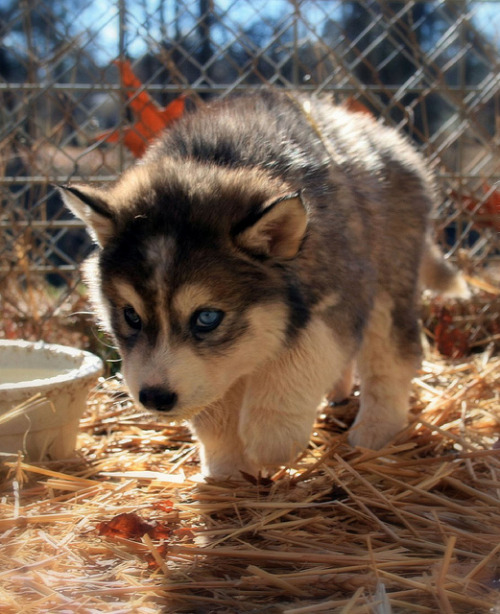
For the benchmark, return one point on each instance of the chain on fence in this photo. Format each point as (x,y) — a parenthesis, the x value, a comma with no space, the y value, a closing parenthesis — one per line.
(68,110)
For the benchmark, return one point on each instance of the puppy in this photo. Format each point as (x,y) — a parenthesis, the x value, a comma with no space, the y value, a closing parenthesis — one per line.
(263,244)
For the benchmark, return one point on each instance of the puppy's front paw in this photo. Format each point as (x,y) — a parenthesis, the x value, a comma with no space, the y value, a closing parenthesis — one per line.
(225,461)
(274,445)
(374,435)
(233,470)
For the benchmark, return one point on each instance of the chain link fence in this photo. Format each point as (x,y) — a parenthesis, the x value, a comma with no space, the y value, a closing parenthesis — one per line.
(430,68)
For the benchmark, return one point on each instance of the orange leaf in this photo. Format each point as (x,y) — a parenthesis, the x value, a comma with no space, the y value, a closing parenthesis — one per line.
(127,74)
(131,139)
(174,109)
(165,506)
(160,531)
(141,103)
(131,526)
(450,341)
(151,561)
(352,104)
(136,140)
(184,532)
(126,525)
(151,119)
(489,209)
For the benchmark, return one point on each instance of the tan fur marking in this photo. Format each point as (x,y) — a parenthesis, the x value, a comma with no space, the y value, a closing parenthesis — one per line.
(159,254)
(134,183)
(327,302)
(190,297)
(130,297)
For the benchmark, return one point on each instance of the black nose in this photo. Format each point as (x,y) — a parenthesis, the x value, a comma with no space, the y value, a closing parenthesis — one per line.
(157,398)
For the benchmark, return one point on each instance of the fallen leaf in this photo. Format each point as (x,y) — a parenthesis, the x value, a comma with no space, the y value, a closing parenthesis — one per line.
(131,526)
(450,341)
(160,531)
(151,119)
(165,506)
(127,525)
(183,532)
(486,213)
(150,559)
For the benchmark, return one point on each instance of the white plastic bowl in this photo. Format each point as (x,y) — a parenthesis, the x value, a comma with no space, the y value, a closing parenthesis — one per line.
(61,377)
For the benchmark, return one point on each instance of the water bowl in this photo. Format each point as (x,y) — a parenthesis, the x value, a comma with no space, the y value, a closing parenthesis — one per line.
(43,392)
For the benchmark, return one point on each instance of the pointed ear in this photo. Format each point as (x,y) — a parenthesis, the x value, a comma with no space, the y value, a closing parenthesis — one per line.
(88,204)
(277,230)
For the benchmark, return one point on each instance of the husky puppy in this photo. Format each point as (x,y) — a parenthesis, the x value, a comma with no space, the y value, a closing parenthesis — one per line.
(263,244)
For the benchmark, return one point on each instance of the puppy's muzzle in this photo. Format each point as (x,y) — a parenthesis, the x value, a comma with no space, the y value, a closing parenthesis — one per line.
(160,399)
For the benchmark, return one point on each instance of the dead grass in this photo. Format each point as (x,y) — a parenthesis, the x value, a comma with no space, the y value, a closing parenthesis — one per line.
(411,528)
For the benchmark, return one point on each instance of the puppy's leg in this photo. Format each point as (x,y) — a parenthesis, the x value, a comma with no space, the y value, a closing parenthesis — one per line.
(216,428)
(389,355)
(343,387)
(280,401)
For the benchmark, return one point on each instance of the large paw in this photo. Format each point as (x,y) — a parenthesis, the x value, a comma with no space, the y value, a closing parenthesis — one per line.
(374,435)
(224,464)
(275,445)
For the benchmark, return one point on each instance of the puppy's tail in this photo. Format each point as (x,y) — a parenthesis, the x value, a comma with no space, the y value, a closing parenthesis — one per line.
(439,275)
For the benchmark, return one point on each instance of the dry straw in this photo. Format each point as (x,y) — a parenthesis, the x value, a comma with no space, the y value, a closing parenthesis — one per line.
(412,528)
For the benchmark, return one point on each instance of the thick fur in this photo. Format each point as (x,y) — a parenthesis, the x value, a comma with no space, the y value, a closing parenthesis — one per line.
(307,226)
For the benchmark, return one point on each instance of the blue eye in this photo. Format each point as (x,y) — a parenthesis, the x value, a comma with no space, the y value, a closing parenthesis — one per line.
(132,318)
(206,320)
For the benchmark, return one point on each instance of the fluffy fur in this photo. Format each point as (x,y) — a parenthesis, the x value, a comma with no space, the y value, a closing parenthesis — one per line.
(300,226)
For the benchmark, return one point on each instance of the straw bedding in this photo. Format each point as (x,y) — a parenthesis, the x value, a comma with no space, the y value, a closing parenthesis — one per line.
(129,526)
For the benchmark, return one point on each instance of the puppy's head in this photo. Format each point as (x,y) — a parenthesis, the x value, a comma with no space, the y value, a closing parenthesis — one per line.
(192,276)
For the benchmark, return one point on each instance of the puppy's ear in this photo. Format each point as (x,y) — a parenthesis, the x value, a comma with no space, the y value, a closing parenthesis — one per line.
(277,230)
(89,205)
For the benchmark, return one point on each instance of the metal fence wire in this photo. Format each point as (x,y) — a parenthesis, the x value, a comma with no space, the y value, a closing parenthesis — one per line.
(430,68)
